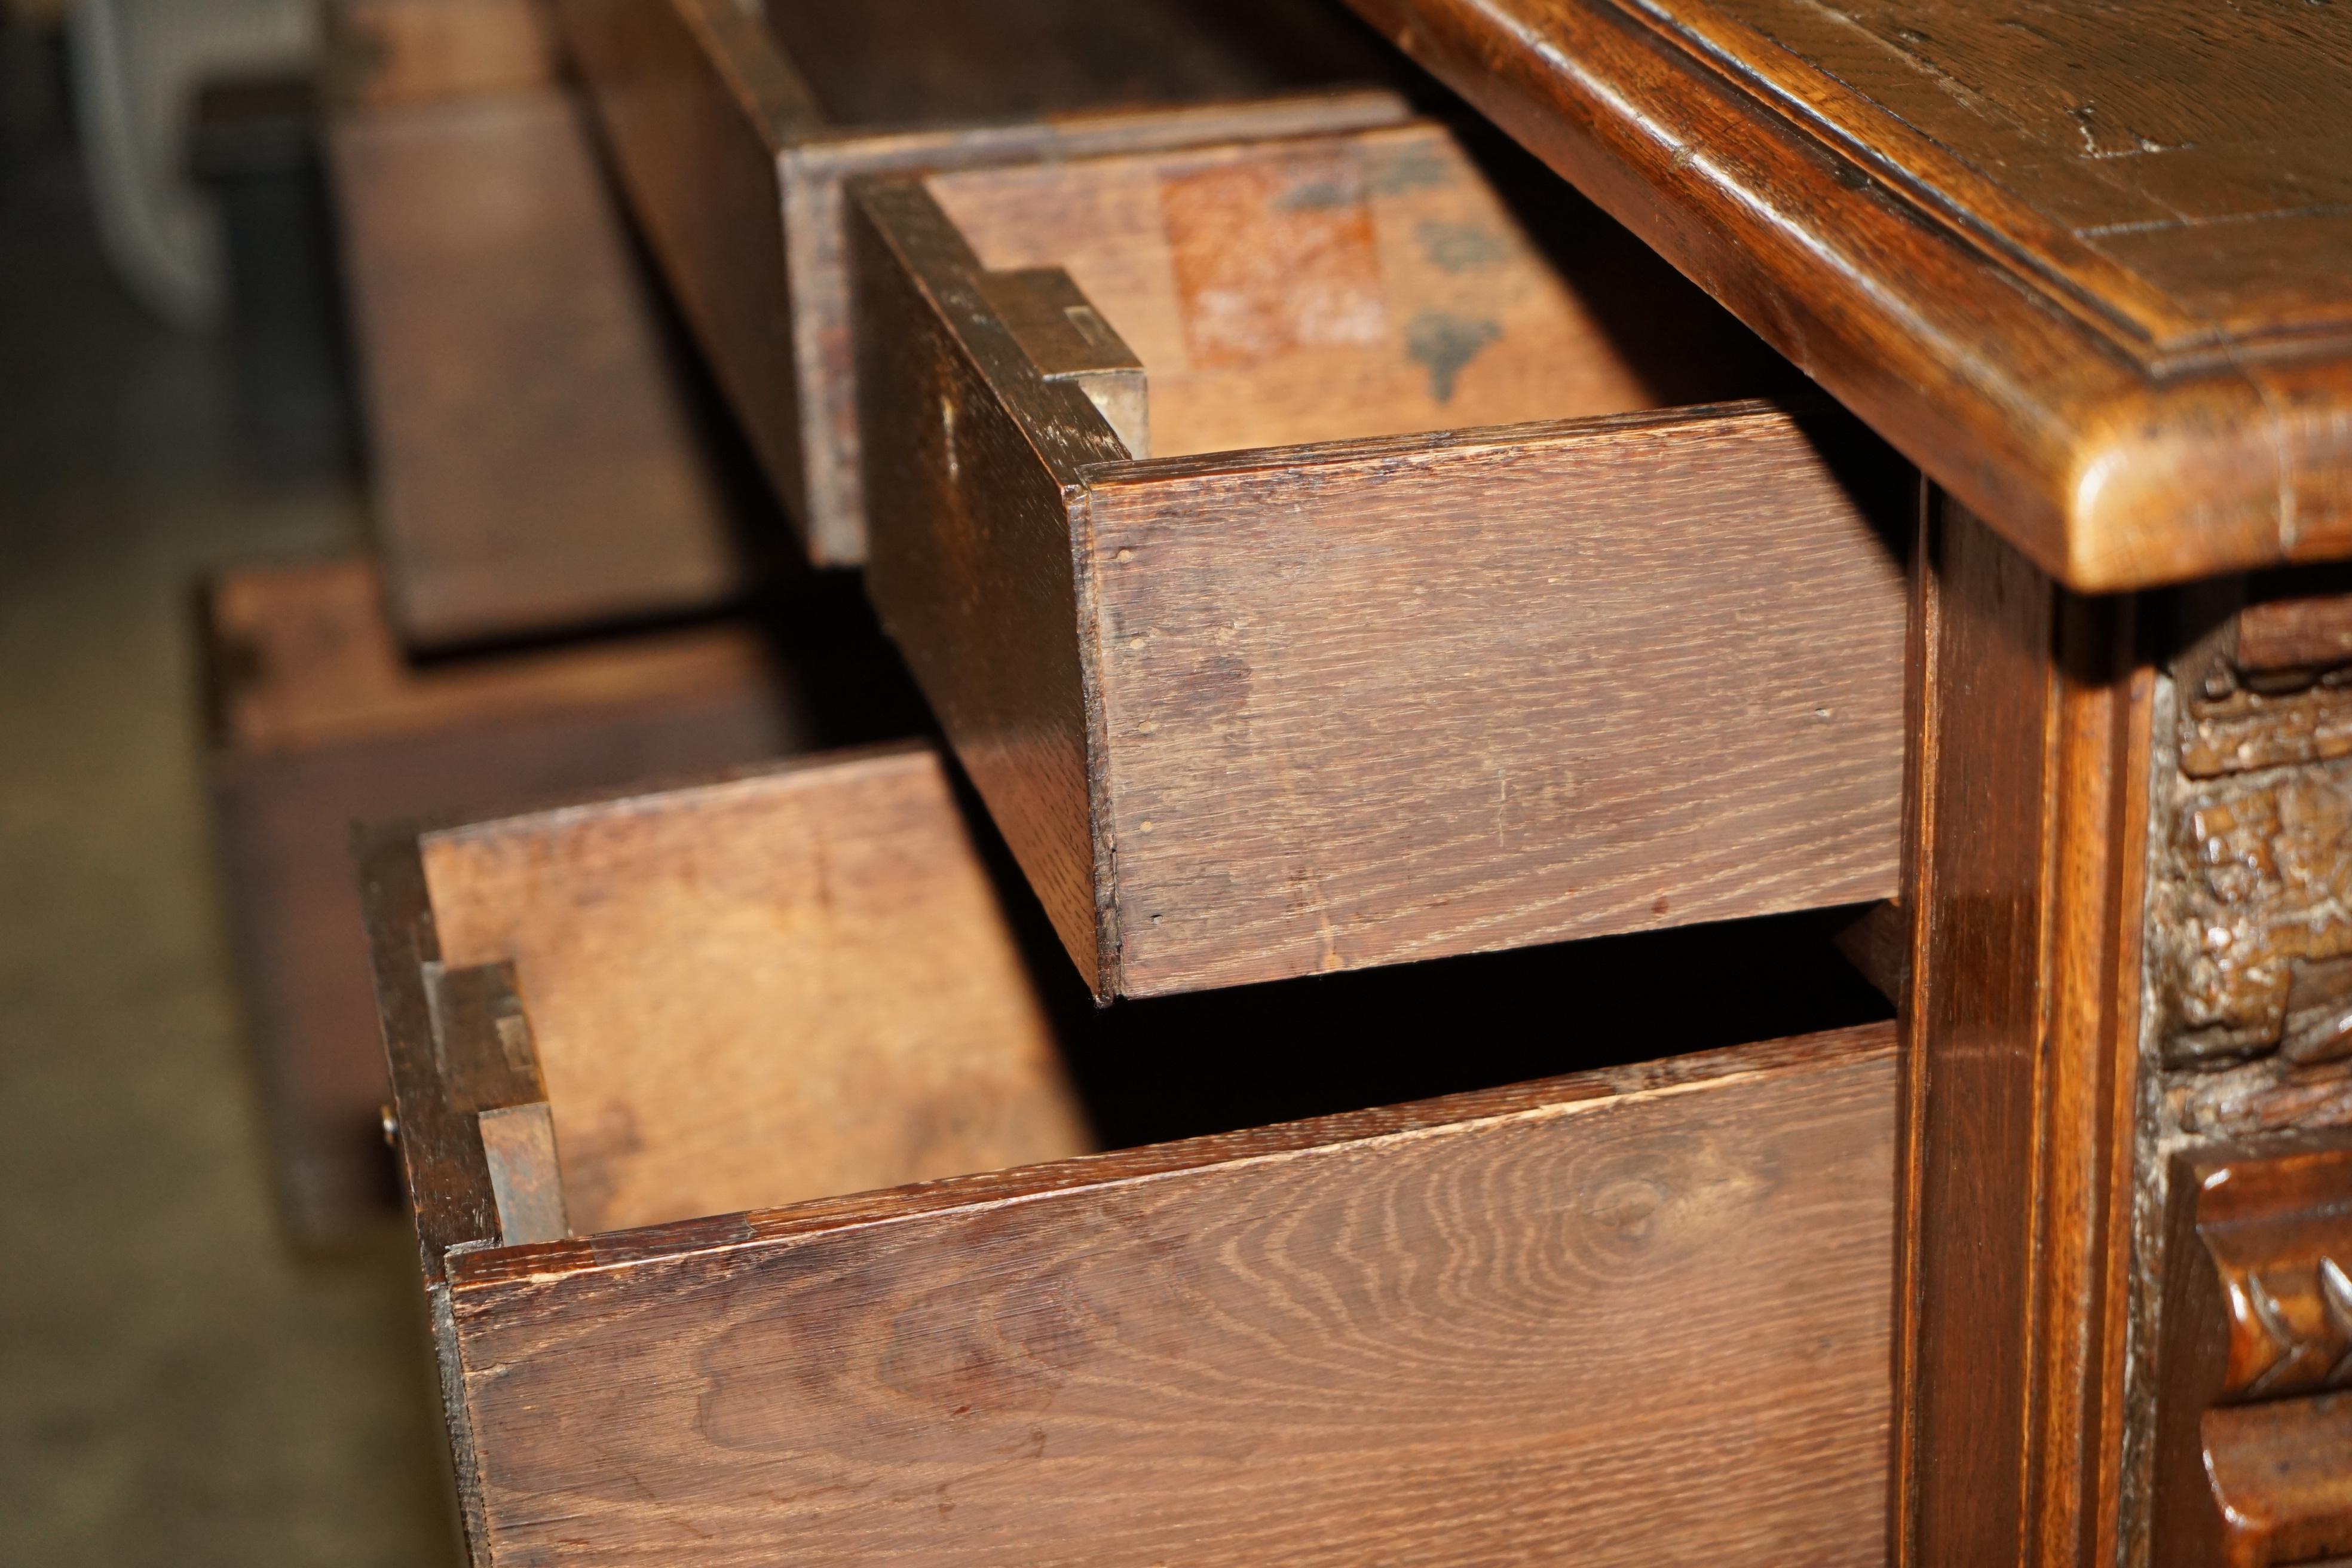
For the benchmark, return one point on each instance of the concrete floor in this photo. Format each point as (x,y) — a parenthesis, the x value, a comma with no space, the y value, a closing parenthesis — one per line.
(176,1388)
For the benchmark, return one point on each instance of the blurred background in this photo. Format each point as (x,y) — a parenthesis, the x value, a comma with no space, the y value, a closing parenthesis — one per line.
(178,1384)
(357,468)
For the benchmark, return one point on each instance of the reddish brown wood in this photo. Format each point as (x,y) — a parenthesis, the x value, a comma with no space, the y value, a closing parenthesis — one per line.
(318,724)
(2282,1477)
(2257,1315)
(2030,770)
(1276,710)
(2307,631)
(536,465)
(2093,277)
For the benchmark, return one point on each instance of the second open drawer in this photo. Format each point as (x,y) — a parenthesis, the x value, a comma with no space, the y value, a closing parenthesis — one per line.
(1202,502)
(664,1064)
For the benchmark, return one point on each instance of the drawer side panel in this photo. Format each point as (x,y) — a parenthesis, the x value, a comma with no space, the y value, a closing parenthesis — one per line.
(973,567)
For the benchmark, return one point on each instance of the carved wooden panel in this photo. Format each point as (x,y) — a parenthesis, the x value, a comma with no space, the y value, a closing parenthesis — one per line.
(2250,909)
(2245,1244)
(2253,1445)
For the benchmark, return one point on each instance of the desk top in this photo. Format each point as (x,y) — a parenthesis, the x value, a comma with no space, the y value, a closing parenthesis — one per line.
(2090,264)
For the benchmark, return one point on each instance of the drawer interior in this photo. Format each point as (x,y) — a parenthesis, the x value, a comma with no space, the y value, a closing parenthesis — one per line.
(884,63)
(1377,283)
(818,981)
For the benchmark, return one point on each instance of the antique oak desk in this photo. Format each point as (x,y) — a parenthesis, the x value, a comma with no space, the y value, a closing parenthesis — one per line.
(2091,266)
(1323,549)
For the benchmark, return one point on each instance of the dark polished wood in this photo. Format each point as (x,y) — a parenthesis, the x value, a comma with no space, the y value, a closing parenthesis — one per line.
(2138,957)
(2253,1446)
(2032,729)
(2091,269)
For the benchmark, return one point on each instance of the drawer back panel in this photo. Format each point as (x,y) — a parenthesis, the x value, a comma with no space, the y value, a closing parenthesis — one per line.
(818,951)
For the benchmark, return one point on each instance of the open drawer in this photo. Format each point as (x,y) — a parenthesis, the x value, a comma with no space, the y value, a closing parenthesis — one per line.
(539,464)
(734,132)
(666,1066)
(1200,507)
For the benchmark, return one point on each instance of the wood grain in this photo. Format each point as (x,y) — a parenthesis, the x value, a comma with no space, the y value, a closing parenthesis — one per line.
(973,568)
(536,467)
(817,173)
(1408,707)
(316,724)
(1296,709)
(1439,1334)
(804,979)
(735,143)
(2092,278)
(2025,881)
(848,979)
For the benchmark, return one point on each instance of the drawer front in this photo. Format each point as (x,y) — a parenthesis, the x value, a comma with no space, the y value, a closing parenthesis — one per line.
(1250,714)
(1630,1315)
(735,155)
(1645,1327)
(536,465)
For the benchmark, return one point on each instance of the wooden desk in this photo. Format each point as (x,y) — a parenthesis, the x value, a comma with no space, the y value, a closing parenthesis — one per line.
(2093,270)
